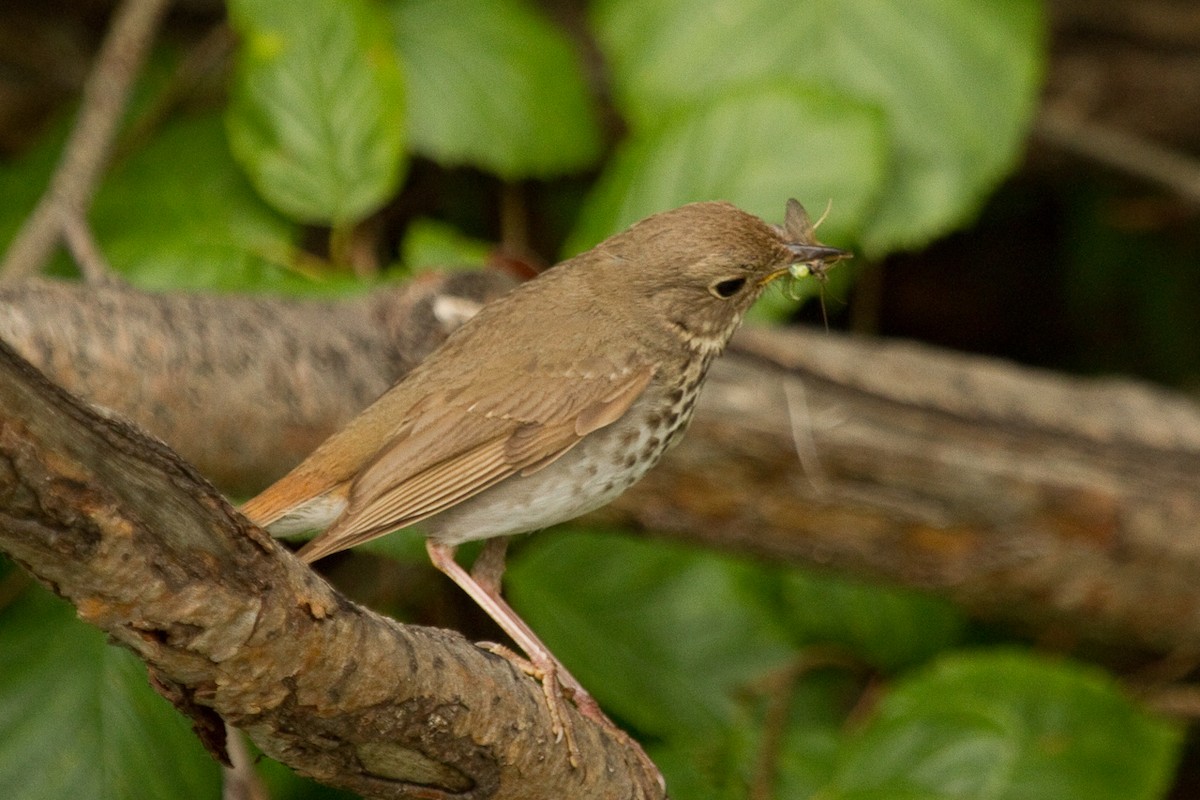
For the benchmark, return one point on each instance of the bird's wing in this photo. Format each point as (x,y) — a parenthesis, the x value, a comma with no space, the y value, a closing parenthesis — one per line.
(489,441)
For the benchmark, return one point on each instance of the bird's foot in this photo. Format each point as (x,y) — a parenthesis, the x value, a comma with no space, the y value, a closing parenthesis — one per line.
(554,692)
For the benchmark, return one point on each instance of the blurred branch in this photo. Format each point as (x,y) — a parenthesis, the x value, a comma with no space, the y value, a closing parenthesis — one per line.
(1068,506)
(230,624)
(1121,150)
(240,780)
(62,210)
(83,248)
(205,59)
(204,371)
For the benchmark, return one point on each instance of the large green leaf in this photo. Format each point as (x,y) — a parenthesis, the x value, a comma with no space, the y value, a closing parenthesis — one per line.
(316,116)
(754,148)
(662,635)
(720,765)
(80,720)
(957,80)
(491,83)
(163,227)
(1007,725)
(890,628)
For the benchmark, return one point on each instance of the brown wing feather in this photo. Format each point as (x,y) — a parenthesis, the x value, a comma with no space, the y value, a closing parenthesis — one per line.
(389,494)
(400,505)
(270,506)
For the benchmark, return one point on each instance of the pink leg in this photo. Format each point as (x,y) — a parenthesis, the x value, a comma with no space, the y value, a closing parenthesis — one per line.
(483,586)
(542,663)
(489,565)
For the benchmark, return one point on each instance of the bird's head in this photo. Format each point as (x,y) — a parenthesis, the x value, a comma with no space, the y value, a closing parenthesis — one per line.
(702,266)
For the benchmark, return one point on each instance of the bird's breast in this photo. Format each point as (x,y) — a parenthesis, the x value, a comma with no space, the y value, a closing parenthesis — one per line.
(596,471)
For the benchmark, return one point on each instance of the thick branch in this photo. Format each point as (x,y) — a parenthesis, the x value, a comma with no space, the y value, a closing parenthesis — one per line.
(1067,505)
(1064,505)
(231,623)
(242,386)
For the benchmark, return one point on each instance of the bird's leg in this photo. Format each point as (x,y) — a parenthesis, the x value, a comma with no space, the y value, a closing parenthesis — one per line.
(542,664)
(488,570)
(483,586)
(486,573)
(489,565)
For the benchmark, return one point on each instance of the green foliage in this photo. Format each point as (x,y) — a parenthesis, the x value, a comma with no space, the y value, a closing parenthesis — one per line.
(431,244)
(1007,725)
(904,114)
(711,641)
(316,114)
(745,146)
(494,85)
(695,618)
(80,719)
(208,228)
(901,115)
(888,628)
(954,81)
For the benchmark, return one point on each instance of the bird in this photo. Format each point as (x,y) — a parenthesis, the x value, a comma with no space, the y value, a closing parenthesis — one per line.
(550,402)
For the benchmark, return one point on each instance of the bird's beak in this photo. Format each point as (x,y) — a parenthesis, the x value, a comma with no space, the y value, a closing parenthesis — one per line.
(810,253)
(818,256)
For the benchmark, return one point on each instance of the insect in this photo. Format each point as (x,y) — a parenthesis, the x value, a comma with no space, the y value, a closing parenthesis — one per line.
(800,228)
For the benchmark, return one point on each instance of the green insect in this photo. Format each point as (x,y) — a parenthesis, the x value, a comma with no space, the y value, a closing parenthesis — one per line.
(802,230)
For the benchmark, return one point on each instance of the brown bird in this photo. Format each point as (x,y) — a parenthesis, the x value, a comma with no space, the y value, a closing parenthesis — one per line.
(549,403)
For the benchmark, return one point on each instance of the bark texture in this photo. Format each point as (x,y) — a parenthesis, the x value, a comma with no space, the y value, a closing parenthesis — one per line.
(231,624)
(1069,506)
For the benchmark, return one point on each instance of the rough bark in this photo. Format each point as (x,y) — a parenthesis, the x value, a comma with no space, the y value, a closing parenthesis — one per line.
(1068,505)
(231,624)
(242,386)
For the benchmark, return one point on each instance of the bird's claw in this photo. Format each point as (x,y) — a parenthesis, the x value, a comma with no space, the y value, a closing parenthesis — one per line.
(552,690)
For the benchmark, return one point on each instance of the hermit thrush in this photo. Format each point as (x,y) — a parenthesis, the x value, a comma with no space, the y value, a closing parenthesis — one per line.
(549,403)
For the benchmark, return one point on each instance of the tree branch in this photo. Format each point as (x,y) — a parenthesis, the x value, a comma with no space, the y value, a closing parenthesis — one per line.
(63,208)
(1171,169)
(231,624)
(1065,505)
(204,371)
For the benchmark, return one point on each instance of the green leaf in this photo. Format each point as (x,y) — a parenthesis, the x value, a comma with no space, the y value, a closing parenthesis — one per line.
(948,754)
(80,719)
(1006,725)
(724,762)
(663,636)
(432,244)
(163,227)
(493,84)
(957,81)
(754,148)
(811,742)
(316,116)
(888,627)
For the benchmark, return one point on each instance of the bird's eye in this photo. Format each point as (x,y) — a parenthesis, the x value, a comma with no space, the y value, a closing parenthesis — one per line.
(727,288)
